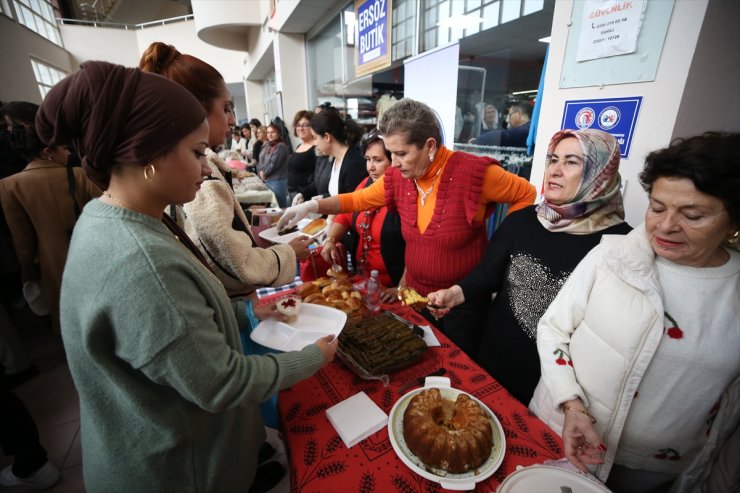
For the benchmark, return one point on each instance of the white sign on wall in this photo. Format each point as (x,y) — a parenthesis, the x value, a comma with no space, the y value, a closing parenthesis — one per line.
(609,28)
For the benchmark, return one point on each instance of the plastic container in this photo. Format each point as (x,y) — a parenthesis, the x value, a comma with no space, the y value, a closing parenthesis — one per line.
(372,299)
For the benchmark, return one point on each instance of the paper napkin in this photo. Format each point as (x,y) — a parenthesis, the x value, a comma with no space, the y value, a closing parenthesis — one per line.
(356,418)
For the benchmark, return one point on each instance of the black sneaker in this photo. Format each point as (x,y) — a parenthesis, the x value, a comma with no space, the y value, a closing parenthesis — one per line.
(268,476)
(266,453)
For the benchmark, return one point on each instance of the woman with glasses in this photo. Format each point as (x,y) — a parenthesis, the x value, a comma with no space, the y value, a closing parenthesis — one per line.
(443,198)
(302,162)
(376,231)
(344,167)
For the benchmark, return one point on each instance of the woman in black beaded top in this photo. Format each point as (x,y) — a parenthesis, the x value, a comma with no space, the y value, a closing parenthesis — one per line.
(535,249)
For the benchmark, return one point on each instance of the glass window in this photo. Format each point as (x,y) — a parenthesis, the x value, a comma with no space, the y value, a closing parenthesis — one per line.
(46,76)
(510,10)
(40,17)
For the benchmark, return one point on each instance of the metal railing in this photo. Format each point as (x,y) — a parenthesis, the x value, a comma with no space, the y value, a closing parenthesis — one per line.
(127,27)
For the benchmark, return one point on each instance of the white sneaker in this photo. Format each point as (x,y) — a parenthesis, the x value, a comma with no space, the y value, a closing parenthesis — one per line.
(44,478)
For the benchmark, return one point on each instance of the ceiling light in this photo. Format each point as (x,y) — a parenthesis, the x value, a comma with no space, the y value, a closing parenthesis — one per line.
(545,40)
(460,21)
(524,92)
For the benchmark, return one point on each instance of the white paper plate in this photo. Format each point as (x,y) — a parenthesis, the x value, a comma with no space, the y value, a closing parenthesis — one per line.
(313,321)
(459,482)
(540,478)
(271,234)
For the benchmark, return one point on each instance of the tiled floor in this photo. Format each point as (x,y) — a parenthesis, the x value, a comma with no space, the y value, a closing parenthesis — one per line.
(52,401)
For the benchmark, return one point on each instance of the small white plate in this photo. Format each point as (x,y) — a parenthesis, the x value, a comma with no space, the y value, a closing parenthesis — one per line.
(540,477)
(313,322)
(271,234)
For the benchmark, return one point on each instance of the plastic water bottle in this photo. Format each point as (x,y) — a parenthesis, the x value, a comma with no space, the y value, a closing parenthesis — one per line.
(372,300)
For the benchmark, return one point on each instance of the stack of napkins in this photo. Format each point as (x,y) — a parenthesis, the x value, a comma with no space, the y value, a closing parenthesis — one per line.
(356,418)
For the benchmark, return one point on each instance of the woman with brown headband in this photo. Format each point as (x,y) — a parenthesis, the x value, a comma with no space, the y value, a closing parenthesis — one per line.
(215,219)
(167,399)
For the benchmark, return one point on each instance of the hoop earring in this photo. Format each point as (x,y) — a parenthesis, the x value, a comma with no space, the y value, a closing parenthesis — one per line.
(734,237)
(146,172)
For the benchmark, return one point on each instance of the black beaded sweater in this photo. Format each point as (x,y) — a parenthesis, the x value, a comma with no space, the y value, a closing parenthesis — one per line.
(526,265)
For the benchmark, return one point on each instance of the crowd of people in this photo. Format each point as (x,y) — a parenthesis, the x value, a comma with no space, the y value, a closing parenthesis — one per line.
(622,338)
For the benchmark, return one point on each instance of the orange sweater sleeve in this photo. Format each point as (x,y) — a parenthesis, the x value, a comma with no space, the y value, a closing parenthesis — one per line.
(503,187)
(365,198)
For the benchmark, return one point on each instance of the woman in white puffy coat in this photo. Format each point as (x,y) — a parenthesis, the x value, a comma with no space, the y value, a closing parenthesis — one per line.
(639,350)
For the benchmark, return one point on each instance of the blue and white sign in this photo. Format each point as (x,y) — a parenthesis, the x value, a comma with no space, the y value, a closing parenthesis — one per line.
(372,47)
(617,116)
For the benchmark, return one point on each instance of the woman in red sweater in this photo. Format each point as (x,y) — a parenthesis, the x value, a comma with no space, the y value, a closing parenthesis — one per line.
(377,232)
(443,198)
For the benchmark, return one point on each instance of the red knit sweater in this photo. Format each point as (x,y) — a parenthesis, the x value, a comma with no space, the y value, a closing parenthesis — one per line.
(453,243)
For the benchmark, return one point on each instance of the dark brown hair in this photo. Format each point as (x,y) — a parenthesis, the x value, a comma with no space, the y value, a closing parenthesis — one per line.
(346,131)
(299,116)
(195,75)
(711,161)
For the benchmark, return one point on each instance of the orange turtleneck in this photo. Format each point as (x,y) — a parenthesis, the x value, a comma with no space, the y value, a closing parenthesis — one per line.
(498,186)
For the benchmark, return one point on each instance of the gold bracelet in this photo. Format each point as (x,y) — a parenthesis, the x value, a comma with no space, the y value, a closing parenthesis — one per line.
(570,408)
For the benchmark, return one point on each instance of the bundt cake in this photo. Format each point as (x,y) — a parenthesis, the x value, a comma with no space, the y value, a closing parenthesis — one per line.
(453,436)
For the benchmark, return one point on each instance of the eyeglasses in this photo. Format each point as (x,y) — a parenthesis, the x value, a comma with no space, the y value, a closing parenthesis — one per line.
(303,125)
(511,113)
(373,134)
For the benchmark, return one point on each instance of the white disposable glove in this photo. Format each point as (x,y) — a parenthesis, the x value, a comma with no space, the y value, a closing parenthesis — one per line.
(292,215)
(298,199)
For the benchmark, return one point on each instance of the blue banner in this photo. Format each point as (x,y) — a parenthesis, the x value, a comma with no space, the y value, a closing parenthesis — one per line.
(617,116)
(373,34)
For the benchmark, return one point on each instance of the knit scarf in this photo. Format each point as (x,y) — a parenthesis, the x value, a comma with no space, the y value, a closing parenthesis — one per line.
(598,203)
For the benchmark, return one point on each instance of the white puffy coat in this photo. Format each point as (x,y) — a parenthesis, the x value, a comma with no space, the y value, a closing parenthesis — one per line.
(608,321)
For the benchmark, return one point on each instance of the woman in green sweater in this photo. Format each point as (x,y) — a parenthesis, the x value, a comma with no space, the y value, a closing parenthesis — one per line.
(168,402)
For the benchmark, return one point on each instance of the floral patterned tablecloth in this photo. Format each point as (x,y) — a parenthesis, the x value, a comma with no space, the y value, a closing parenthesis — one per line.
(320,462)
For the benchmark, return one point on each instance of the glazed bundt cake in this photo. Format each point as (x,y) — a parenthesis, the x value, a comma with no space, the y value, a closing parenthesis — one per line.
(453,436)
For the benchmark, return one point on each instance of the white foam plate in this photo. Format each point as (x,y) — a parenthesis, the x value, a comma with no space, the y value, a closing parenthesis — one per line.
(459,482)
(313,321)
(271,234)
(541,478)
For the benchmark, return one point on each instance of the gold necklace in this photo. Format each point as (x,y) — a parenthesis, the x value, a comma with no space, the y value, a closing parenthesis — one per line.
(425,194)
(122,204)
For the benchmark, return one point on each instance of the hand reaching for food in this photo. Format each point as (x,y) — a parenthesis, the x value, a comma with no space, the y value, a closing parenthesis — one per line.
(292,215)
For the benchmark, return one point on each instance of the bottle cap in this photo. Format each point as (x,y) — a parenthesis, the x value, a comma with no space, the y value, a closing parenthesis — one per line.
(373,273)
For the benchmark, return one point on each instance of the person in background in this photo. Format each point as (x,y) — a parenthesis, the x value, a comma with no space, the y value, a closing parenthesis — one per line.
(301,163)
(261,137)
(273,165)
(639,349)
(41,205)
(154,347)
(238,143)
(19,437)
(536,248)
(249,140)
(489,120)
(215,219)
(335,138)
(443,198)
(515,135)
(377,232)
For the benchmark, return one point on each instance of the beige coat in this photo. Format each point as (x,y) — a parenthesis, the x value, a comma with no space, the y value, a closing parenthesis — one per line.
(237,261)
(40,215)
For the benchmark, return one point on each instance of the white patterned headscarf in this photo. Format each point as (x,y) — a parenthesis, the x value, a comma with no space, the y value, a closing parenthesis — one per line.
(598,203)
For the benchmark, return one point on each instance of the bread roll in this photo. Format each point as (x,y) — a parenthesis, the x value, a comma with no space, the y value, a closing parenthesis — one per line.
(314,226)
(336,275)
(322,281)
(308,289)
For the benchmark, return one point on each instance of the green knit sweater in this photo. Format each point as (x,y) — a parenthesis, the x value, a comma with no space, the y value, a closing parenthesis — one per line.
(168,402)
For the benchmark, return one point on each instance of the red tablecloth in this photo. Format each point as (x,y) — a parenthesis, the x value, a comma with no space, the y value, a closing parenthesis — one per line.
(320,462)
